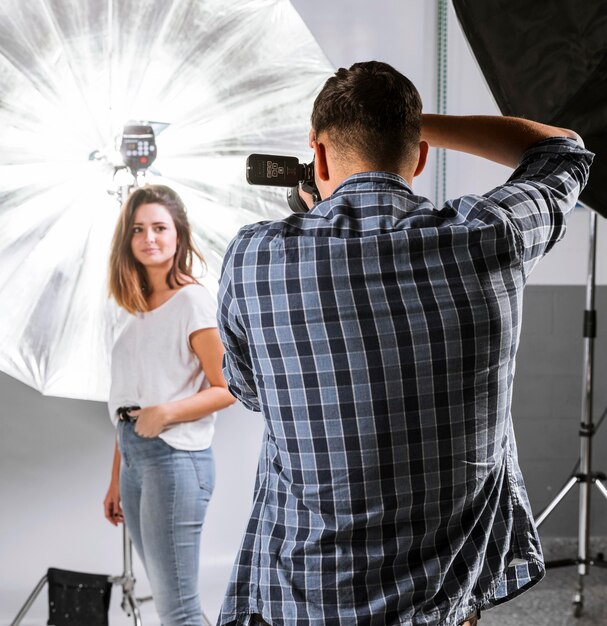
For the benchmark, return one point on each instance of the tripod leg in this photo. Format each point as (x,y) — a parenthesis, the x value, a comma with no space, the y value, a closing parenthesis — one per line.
(206,621)
(601,486)
(559,496)
(28,603)
(132,608)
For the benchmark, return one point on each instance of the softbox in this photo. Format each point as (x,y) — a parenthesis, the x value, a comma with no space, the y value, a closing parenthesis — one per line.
(547,60)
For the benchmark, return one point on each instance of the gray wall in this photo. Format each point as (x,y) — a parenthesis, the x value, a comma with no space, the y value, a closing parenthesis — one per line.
(547,401)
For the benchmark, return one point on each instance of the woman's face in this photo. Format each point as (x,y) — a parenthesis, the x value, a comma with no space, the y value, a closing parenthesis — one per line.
(154,237)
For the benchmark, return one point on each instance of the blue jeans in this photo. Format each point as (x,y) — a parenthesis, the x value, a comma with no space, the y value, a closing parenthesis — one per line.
(164,494)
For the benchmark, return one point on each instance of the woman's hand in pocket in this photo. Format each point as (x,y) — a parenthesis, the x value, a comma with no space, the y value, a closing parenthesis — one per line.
(151,420)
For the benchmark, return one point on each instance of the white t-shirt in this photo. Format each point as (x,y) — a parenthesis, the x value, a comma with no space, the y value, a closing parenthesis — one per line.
(153,362)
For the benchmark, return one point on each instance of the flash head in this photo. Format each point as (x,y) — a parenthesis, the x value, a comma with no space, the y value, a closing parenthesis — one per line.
(273,170)
(283,171)
(138,147)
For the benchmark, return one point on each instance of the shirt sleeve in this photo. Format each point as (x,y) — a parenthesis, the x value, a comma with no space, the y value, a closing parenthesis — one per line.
(237,365)
(541,193)
(202,310)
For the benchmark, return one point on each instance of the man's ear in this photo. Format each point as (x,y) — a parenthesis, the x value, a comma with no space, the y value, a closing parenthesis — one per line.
(423,156)
(321,167)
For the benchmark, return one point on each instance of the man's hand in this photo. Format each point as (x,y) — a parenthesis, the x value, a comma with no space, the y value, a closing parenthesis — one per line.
(306,197)
(151,421)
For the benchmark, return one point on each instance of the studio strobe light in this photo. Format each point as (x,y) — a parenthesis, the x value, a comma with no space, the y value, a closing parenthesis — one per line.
(138,147)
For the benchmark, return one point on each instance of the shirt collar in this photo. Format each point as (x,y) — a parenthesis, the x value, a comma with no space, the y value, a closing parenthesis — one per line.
(371,180)
(365,181)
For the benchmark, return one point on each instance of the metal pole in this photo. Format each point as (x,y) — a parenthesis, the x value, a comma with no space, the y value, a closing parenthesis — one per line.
(586,477)
(586,425)
(28,603)
(130,604)
(539,520)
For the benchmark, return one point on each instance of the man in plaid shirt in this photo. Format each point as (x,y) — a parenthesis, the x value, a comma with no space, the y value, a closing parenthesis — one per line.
(377,335)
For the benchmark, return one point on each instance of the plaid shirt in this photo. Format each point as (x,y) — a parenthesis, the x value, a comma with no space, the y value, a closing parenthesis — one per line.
(377,335)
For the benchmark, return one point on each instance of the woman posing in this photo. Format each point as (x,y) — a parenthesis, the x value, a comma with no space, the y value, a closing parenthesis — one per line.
(167,364)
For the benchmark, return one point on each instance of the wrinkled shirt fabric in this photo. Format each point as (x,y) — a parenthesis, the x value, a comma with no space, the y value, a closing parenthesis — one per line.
(377,335)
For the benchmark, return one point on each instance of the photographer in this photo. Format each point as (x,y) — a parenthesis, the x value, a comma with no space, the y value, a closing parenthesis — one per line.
(377,335)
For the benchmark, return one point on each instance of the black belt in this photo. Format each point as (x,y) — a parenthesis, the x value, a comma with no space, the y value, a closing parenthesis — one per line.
(123,413)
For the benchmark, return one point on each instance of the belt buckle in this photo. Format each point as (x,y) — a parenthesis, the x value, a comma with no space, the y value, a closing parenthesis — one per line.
(123,413)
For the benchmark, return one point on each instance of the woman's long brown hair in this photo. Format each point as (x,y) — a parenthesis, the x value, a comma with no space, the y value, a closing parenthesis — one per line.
(128,283)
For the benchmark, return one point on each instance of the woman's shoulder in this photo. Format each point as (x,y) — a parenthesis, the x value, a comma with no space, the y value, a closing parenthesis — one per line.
(197,292)
(198,299)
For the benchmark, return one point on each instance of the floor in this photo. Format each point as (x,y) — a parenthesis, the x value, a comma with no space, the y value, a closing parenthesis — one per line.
(547,604)
(550,602)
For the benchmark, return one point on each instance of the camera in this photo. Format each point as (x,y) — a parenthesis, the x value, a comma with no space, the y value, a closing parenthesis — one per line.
(283,171)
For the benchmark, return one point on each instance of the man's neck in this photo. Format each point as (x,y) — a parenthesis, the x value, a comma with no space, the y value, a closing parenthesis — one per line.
(333,166)
(341,171)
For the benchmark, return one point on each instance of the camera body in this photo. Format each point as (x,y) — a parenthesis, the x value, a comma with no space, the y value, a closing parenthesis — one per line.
(283,171)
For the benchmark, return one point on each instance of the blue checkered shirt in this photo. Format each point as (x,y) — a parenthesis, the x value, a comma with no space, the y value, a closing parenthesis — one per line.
(377,335)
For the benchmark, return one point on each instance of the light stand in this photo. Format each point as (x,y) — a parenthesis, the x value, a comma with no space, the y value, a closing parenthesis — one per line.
(137,162)
(586,477)
(130,603)
(138,150)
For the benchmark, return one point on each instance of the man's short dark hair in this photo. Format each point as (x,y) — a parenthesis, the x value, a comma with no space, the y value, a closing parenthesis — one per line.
(371,110)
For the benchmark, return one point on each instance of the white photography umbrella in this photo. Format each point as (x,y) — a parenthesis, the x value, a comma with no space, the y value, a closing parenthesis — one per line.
(224,77)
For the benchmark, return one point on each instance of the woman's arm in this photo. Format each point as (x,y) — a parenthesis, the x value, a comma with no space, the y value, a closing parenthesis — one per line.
(151,421)
(111,504)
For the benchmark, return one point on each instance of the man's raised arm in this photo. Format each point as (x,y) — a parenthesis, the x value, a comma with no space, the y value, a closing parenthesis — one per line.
(500,139)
